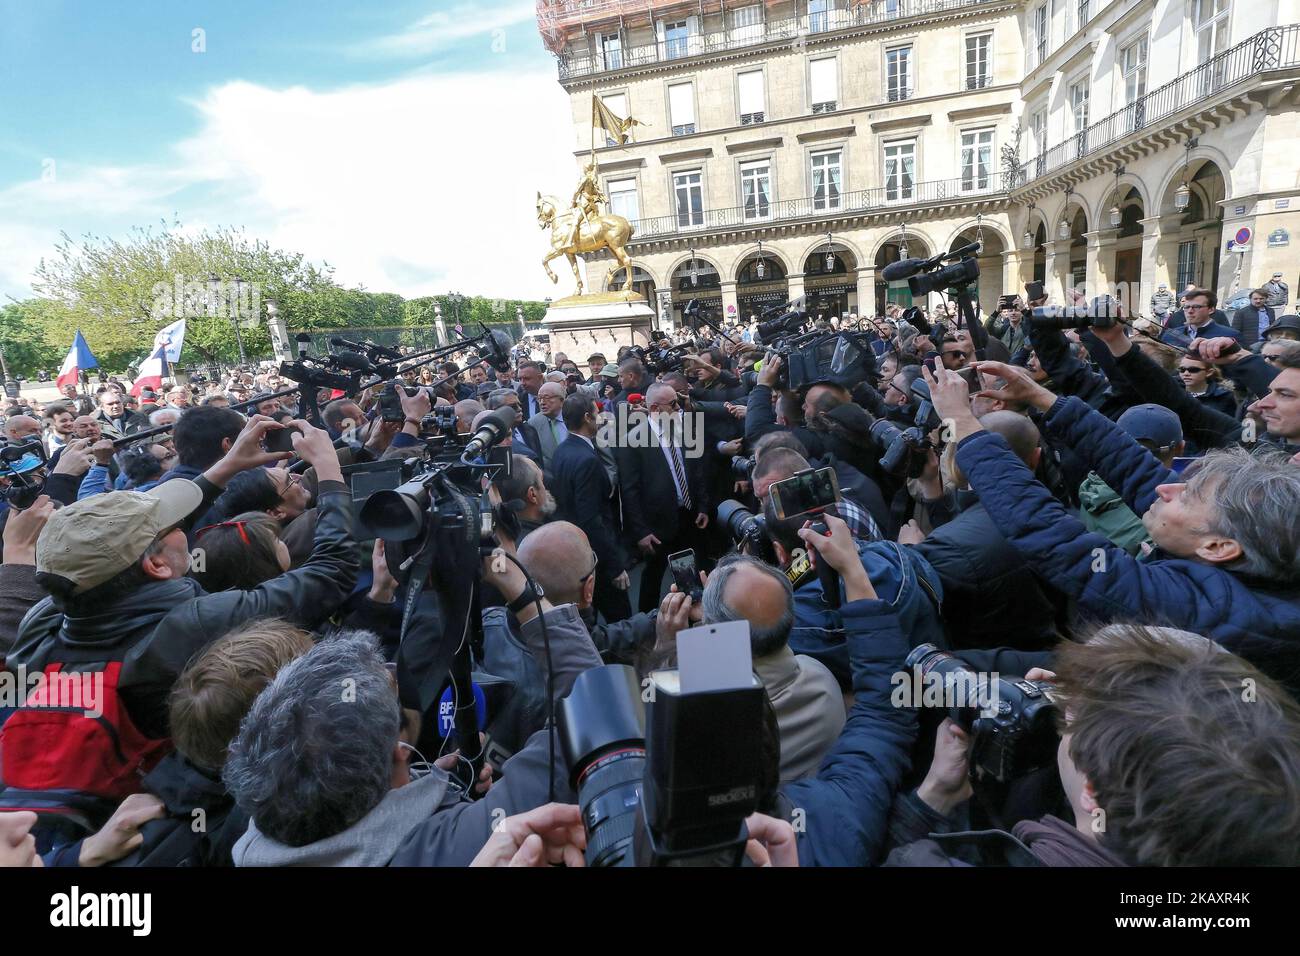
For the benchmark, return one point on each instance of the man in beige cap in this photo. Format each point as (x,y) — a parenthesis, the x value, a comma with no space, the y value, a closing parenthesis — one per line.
(122,620)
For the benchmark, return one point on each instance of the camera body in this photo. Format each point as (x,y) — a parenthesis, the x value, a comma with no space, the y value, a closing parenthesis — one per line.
(1103,312)
(1012,722)
(954,276)
(748,530)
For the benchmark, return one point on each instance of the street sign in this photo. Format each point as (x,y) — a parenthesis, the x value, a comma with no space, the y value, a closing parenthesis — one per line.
(1278,237)
(1243,236)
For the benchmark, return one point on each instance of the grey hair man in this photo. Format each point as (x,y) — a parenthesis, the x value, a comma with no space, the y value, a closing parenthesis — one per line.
(805,695)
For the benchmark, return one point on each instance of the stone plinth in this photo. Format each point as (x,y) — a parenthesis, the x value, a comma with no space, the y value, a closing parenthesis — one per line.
(581,325)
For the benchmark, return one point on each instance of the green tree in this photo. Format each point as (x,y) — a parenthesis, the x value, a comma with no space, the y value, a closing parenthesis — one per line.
(24,337)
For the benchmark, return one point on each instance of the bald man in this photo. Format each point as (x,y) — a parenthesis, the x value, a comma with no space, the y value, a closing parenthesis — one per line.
(466,410)
(558,555)
(19,428)
(804,693)
(986,583)
(548,423)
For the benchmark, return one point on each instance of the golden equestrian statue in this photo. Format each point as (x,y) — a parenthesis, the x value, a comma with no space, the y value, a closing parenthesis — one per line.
(583,228)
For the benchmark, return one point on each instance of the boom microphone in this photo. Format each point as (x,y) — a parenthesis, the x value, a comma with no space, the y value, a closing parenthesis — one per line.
(903,269)
(354,360)
(381,350)
(491,430)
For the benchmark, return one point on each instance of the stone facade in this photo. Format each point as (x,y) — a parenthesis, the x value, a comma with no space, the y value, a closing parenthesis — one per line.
(780,133)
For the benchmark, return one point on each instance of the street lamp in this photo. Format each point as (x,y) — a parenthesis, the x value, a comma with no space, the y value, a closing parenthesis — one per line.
(1063,227)
(695,269)
(1183,194)
(1027,240)
(760,267)
(830,254)
(1116,213)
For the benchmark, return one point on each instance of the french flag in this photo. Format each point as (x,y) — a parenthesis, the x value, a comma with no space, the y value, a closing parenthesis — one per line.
(79,359)
(152,371)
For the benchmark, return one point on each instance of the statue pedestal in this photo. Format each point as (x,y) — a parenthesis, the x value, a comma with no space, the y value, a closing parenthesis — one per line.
(582,324)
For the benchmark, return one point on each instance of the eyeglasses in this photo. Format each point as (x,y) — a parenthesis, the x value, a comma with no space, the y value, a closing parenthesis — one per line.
(594,562)
(238,525)
(954,354)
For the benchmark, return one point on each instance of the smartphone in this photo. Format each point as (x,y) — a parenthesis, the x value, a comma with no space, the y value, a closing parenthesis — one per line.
(1006,302)
(390,405)
(685,574)
(281,439)
(1033,291)
(808,492)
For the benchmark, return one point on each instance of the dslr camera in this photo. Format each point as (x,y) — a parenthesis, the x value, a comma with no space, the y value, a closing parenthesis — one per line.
(1103,312)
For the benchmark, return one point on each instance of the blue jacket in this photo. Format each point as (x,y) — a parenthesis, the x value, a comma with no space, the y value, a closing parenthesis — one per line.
(897,574)
(845,808)
(1258,623)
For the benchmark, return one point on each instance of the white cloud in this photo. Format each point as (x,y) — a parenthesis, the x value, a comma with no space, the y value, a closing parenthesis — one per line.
(443,28)
(415,186)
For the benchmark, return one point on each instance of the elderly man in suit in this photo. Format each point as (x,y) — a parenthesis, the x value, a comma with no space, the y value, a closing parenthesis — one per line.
(583,492)
(548,423)
(663,488)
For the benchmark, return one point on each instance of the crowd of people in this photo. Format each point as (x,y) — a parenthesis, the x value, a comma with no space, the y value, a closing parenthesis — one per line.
(1109,511)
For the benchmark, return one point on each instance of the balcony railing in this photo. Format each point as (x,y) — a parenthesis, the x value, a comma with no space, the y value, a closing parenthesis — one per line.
(901,193)
(573,65)
(1271,49)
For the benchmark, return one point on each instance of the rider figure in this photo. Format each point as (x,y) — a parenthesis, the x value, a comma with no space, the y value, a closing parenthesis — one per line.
(587,199)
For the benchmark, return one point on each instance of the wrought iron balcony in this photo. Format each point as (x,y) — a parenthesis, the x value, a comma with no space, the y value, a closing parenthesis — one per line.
(1271,49)
(901,194)
(573,65)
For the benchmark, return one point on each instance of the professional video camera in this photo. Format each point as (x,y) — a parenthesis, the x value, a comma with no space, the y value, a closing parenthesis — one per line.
(906,448)
(929,275)
(437,525)
(16,464)
(668,782)
(1012,721)
(1103,312)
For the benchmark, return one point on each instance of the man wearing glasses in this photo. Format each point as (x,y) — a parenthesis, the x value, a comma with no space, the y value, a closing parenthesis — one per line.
(953,355)
(663,489)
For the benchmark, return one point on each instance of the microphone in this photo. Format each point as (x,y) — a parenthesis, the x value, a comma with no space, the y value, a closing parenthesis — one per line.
(902,269)
(499,346)
(353,360)
(491,430)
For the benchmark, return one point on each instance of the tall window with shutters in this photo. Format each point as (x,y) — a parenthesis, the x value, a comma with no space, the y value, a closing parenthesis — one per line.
(688,188)
(622,199)
(979,70)
(823,84)
(681,108)
(676,36)
(756,189)
(611,48)
(976,160)
(898,73)
(900,171)
(827,179)
(749,93)
(747,23)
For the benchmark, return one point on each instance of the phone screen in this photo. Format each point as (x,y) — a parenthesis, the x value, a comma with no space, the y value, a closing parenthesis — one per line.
(809,492)
(971,377)
(280,439)
(685,574)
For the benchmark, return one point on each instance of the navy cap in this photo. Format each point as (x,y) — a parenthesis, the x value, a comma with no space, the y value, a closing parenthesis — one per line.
(1153,423)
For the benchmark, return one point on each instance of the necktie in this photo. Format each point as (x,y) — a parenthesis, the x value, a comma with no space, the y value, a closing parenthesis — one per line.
(679,472)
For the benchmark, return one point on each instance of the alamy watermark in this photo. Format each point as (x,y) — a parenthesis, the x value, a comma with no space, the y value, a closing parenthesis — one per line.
(75,690)
(190,298)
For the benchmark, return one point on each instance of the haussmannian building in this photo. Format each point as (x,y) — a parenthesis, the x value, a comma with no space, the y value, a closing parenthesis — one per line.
(796,148)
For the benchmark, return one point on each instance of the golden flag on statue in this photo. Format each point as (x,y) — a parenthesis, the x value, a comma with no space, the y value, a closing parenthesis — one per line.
(617,129)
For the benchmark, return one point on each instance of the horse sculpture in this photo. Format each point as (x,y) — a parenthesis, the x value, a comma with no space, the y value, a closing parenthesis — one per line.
(605,231)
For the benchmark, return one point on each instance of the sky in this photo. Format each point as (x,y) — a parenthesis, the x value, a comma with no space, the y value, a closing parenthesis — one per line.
(401,141)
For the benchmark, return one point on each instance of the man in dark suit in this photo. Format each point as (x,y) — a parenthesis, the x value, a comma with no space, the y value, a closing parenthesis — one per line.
(582,490)
(663,488)
(530,380)
(524,438)
(1201,317)
(1250,321)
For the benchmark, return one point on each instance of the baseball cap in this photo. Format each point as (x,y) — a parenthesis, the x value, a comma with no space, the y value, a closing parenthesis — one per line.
(96,538)
(1153,423)
(609,371)
(1277,275)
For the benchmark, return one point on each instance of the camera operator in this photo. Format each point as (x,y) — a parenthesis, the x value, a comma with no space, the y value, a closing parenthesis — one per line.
(1145,785)
(142,618)
(1226,540)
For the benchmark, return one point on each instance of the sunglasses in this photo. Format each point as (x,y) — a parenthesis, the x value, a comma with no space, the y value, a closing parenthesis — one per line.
(237,525)
(1190,368)
(594,562)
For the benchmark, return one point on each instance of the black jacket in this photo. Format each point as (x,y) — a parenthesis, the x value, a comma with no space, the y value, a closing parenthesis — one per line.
(582,491)
(1246,323)
(987,585)
(649,494)
(155,629)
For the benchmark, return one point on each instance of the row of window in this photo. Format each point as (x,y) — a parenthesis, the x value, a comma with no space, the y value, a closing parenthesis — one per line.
(825,175)
(1133,70)
(1209,25)
(823,86)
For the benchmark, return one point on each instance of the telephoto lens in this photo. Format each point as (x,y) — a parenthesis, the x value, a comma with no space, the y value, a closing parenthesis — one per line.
(602,734)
